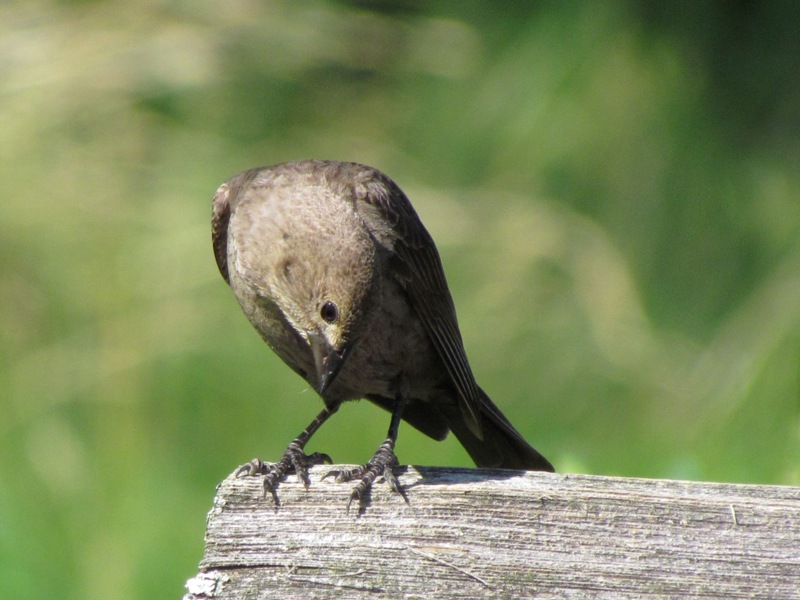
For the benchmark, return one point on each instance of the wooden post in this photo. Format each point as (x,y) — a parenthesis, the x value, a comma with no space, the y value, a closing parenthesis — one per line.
(509,534)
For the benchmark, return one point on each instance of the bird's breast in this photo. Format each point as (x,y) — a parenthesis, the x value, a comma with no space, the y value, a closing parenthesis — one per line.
(393,346)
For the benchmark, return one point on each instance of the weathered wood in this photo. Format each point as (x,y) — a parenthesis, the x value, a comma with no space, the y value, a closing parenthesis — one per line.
(483,533)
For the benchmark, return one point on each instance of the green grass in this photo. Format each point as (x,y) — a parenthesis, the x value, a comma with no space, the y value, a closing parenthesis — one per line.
(614,192)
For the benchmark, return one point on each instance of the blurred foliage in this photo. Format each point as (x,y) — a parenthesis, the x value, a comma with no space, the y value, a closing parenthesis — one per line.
(613,187)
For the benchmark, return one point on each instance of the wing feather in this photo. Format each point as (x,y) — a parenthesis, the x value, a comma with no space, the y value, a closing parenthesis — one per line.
(391,218)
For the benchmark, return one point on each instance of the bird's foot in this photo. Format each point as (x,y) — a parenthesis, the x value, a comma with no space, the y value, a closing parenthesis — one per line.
(381,464)
(294,460)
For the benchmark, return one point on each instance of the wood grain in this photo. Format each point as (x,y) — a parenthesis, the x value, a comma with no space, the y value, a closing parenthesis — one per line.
(484,533)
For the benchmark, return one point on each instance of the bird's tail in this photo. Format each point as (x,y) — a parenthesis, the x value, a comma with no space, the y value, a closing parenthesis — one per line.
(502,446)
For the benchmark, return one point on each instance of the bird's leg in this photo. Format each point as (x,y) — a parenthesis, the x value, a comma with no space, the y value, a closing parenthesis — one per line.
(381,463)
(294,460)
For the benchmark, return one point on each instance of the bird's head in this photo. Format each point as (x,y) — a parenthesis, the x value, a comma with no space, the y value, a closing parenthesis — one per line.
(327,307)
(301,245)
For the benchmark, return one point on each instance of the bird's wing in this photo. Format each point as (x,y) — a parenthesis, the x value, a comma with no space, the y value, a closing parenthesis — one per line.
(388,214)
(220,216)
(225,201)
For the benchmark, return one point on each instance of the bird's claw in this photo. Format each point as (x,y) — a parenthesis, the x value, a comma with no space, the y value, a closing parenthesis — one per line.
(253,468)
(381,464)
(294,460)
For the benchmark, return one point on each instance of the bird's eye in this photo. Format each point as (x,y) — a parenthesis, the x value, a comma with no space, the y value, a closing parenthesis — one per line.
(329,312)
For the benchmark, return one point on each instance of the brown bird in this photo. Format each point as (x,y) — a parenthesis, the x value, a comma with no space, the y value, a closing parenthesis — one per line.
(334,269)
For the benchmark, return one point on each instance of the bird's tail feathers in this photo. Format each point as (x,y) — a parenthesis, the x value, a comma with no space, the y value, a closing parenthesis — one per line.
(502,446)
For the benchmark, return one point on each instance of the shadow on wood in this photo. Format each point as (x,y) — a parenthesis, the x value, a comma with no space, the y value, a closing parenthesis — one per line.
(484,533)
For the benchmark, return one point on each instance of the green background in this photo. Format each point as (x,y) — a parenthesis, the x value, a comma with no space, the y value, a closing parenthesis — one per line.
(614,189)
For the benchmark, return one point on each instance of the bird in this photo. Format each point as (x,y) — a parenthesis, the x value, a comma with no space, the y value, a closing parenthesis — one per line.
(334,269)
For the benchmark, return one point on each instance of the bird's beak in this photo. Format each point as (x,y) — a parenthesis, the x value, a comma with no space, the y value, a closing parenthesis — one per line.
(327,360)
